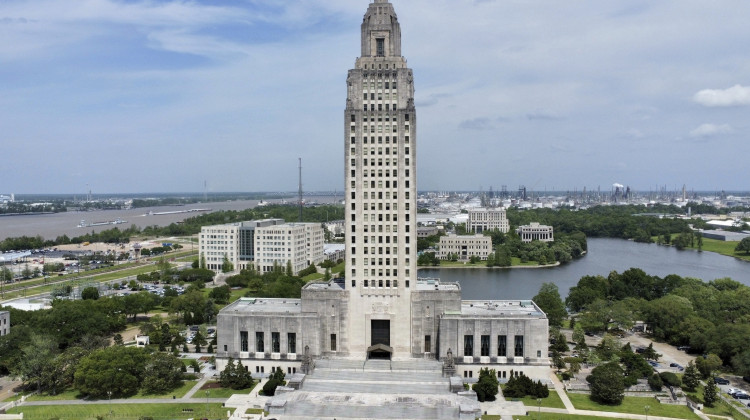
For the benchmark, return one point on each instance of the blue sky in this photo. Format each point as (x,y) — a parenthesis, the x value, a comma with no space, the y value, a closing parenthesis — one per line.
(158,96)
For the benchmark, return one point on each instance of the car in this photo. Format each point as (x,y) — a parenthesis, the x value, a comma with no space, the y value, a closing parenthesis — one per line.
(652,363)
(742,396)
(721,381)
(673,364)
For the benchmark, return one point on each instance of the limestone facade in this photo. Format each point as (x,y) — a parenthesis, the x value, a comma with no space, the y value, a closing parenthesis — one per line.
(482,220)
(465,247)
(4,323)
(536,232)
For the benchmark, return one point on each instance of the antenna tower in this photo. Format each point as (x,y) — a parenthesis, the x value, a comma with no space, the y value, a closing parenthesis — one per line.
(299,201)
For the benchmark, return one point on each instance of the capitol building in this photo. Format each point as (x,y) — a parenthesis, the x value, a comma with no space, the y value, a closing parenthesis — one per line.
(381,317)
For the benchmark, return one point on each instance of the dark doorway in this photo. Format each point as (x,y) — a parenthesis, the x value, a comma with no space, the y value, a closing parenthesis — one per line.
(381,332)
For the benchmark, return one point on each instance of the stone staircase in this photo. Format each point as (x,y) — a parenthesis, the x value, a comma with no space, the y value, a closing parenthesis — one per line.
(374,389)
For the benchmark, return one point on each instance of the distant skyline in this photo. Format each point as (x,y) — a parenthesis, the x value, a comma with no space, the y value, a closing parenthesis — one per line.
(160,96)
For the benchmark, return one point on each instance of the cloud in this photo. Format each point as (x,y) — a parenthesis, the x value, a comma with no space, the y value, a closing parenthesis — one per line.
(710,130)
(481,123)
(542,116)
(734,96)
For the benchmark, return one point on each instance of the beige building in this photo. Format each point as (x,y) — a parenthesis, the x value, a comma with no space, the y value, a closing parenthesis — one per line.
(241,244)
(381,314)
(4,323)
(536,232)
(482,220)
(464,246)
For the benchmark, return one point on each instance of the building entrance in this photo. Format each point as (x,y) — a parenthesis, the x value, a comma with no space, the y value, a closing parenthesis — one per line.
(380,344)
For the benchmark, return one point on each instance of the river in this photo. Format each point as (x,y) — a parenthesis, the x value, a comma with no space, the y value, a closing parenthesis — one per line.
(604,256)
(50,226)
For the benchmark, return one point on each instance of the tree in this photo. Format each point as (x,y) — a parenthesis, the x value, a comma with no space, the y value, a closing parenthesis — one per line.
(220,294)
(226,265)
(691,377)
(162,374)
(117,369)
(487,386)
(548,299)
(196,264)
(36,361)
(710,393)
(744,245)
(90,293)
(650,354)
(707,365)
(655,382)
(607,384)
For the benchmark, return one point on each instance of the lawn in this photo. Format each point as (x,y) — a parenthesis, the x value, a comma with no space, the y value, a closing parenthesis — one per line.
(550,416)
(717,246)
(553,401)
(719,409)
(218,392)
(634,405)
(122,411)
(72,394)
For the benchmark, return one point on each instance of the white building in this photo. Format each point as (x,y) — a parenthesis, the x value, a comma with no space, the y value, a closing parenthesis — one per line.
(4,323)
(464,246)
(482,220)
(536,232)
(246,243)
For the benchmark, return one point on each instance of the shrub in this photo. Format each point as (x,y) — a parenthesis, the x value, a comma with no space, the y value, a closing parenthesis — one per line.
(655,382)
(269,389)
(670,379)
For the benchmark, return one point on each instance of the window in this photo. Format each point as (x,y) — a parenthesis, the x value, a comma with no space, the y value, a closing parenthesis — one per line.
(502,345)
(243,341)
(275,342)
(291,339)
(333,342)
(259,347)
(485,350)
(519,346)
(427,343)
(468,345)
(380,47)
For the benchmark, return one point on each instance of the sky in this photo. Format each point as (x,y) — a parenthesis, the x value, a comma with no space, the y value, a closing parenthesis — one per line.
(164,95)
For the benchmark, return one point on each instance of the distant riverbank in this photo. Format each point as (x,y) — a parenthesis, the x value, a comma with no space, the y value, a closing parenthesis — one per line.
(480,266)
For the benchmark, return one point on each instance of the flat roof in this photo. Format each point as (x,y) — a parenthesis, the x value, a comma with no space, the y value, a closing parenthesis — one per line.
(264,305)
(501,308)
(427,284)
(331,285)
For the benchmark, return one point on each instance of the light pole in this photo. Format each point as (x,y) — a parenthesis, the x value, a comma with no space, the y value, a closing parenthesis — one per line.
(109,395)
(539,403)
(646,408)
(207,392)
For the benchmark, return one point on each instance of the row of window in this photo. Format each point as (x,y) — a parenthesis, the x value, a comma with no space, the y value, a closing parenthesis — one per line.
(371,151)
(291,342)
(380,96)
(380,162)
(379,140)
(502,345)
(379,261)
(353,117)
(371,239)
(371,284)
(379,205)
(381,273)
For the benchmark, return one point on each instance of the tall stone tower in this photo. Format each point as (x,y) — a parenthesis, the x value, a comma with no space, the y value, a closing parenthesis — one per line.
(381,180)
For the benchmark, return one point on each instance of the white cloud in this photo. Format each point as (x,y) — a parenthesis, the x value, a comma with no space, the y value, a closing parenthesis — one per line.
(734,96)
(710,130)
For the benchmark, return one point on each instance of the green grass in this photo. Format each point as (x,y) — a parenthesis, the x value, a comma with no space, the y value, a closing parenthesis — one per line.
(533,415)
(719,409)
(72,394)
(122,411)
(179,392)
(553,401)
(717,246)
(66,395)
(313,277)
(634,405)
(224,392)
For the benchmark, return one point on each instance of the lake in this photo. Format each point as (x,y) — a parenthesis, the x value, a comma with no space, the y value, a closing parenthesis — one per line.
(604,256)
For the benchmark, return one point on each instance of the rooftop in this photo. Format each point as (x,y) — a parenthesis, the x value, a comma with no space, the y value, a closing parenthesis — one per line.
(263,305)
(335,284)
(427,284)
(501,308)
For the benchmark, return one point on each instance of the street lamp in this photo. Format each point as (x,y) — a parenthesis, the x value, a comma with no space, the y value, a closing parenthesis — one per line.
(539,402)
(207,392)
(109,395)
(646,408)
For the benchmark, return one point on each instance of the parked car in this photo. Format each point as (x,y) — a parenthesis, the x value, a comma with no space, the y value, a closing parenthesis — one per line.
(721,381)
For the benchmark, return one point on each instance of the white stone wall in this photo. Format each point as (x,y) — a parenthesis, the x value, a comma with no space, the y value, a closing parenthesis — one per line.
(536,232)
(277,245)
(4,323)
(465,246)
(482,220)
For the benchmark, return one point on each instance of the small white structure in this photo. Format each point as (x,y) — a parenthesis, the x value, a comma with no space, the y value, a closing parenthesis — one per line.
(141,341)
(536,232)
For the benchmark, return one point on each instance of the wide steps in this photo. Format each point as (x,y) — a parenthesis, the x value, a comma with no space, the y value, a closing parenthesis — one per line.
(369,376)
(377,387)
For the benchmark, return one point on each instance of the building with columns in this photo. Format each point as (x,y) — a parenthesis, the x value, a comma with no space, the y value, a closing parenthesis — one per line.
(536,232)
(381,309)
(482,220)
